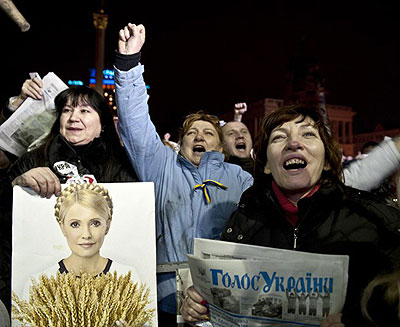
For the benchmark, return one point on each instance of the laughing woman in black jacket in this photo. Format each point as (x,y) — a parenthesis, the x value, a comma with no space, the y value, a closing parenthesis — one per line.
(83,143)
(298,202)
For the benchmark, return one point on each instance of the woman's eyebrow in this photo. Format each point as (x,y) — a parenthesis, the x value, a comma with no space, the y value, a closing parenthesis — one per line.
(308,125)
(279,129)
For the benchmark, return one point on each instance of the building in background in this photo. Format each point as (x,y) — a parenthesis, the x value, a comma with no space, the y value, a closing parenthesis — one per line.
(377,135)
(305,84)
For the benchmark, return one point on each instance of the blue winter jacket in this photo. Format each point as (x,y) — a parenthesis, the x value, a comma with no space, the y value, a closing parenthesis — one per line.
(181,212)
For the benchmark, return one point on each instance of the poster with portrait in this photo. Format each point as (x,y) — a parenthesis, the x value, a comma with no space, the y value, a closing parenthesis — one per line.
(73,234)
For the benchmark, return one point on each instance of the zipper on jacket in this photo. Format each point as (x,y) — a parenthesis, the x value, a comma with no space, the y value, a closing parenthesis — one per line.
(295,237)
(284,222)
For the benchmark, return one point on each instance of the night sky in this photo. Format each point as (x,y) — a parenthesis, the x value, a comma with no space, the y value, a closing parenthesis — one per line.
(210,54)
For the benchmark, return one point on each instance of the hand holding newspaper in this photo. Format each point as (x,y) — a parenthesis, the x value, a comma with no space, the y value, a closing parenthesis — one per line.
(32,121)
(247,285)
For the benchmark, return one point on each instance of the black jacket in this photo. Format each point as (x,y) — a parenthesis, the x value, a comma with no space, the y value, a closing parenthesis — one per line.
(335,220)
(89,159)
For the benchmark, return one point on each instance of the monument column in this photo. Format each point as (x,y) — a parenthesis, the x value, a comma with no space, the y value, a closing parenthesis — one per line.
(100,21)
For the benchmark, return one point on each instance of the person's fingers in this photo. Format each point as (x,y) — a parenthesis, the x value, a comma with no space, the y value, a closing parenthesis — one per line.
(142,31)
(193,311)
(26,180)
(132,28)
(34,91)
(57,187)
(199,308)
(127,33)
(42,183)
(31,89)
(42,180)
(53,185)
(49,186)
(36,81)
(121,35)
(194,306)
(194,294)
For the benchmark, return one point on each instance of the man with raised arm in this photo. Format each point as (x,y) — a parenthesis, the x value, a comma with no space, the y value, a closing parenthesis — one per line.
(237,140)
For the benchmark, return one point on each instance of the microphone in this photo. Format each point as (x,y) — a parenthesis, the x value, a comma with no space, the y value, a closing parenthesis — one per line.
(12,11)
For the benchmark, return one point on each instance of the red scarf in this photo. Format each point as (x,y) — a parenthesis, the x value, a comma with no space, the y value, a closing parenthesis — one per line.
(290,210)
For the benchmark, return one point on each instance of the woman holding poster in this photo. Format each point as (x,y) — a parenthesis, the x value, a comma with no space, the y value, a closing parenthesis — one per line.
(83,144)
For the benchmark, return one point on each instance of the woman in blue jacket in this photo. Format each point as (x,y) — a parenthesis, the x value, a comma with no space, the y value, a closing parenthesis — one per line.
(195,190)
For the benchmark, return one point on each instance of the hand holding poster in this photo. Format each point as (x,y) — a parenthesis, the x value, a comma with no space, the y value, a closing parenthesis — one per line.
(247,285)
(83,249)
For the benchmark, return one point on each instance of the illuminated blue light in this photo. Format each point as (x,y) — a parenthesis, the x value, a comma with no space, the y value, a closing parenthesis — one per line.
(75,82)
(109,73)
(108,77)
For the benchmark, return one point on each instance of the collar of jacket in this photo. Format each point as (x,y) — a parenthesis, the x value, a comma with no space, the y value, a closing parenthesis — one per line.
(260,203)
(61,149)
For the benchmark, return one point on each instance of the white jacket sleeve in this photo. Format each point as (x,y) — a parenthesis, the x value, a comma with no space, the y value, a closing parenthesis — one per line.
(369,173)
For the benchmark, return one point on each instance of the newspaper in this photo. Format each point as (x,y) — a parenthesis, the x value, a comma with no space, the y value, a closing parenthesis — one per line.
(248,286)
(33,120)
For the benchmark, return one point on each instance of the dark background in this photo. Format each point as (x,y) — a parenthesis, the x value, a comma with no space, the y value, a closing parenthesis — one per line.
(210,54)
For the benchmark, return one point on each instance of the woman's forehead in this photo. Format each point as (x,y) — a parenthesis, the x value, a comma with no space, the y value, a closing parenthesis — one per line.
(299,121)
(202,124)
(76,101)
(78,210)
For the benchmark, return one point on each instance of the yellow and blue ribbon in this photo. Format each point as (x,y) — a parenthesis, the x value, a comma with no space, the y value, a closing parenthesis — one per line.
(206,194)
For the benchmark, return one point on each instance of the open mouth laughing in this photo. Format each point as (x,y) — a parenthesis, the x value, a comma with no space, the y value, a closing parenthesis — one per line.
(241,146)
(294,164)
(199,148)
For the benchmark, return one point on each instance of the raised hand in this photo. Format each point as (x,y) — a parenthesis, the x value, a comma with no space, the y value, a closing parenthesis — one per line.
(131,39)
(31,88)
(239,109)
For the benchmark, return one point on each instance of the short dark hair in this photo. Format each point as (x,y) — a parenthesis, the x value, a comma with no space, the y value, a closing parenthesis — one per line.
(279,116)
(84,95)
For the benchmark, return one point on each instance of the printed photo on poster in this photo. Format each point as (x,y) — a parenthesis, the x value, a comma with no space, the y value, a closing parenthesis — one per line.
(88,254)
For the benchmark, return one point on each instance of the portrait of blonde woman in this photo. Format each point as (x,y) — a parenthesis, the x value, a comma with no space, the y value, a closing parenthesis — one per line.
(88,229)
(84,214)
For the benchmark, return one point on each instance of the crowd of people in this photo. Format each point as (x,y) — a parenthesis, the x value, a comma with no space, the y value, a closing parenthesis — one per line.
(290,191)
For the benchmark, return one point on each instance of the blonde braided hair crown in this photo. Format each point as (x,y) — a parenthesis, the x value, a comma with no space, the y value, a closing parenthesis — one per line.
(73,190)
